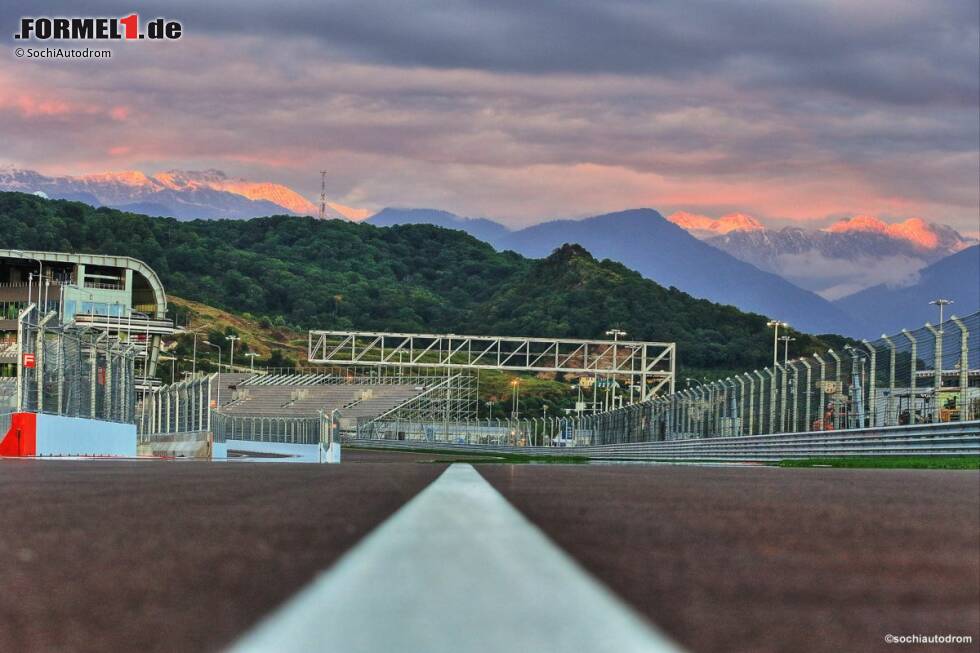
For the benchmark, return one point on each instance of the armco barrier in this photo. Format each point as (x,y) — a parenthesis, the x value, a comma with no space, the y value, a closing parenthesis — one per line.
(962,438)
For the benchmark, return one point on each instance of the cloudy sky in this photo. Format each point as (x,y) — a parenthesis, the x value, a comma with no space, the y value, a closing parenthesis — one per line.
(521,110)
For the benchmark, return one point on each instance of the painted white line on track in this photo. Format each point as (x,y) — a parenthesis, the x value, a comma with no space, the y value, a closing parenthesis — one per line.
(456,569)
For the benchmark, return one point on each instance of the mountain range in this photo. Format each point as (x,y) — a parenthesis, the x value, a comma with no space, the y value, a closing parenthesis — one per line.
(334,274)
(801,275)
(181,194)
(643,240)
(481,228)
(891,307)
(839,260)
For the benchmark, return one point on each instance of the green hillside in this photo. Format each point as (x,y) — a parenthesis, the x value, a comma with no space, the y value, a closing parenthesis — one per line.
(304,273)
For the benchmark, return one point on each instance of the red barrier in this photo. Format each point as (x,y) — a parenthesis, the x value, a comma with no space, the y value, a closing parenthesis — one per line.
(21,439)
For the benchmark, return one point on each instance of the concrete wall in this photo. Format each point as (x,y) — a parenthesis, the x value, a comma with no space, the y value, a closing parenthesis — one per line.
(76,436)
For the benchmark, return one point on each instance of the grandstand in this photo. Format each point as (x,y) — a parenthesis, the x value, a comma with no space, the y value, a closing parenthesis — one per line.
(307,395)
(358,398)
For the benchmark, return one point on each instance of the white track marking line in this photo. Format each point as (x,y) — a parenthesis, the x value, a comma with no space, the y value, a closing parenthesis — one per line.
(456,569)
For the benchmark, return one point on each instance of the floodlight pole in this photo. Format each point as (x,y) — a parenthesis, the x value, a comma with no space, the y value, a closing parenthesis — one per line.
(217,406)
(232,340)
(941,303)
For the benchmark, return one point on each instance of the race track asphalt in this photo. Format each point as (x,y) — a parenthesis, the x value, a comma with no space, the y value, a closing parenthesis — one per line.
(768,559)
(173,556)
(182,556)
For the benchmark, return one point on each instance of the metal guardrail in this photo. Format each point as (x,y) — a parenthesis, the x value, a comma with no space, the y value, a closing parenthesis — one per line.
(934,439)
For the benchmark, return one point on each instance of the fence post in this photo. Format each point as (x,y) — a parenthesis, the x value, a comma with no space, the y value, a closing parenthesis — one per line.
(21,318)
(61,372)
(839,382)
(741,404)
(807,424)
(913,360)
(964,368)
(822,395)
(762,407)
(937,366)
(773,397)
(889,419)
(856,414)
(783,412)
(795,419)
(751,428)
(39,360)
(872,407)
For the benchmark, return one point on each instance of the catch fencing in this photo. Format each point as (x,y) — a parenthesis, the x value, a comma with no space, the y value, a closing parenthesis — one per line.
(952,439)
(183,407)
(74,372)
(926,377)
(191,407)
(283,430)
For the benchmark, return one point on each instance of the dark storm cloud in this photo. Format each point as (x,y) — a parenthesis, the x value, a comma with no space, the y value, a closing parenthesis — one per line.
(533,109)
(890,51)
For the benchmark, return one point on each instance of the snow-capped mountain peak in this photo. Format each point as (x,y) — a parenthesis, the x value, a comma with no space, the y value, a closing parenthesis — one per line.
(184,194)
(848,256)
(703,226)
(916,231)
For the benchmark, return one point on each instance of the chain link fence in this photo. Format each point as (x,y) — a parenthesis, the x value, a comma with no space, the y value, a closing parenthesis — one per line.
(74,372)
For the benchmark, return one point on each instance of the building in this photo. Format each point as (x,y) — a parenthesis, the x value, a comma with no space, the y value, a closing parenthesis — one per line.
(119,295)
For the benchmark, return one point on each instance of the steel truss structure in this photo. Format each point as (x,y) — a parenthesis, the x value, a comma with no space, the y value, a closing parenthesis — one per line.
(650,365)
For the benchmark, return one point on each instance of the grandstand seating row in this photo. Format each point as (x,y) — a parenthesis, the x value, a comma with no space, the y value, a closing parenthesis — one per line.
(295,396)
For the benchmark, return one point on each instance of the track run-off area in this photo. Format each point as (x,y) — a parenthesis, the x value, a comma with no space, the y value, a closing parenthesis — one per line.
(414,552)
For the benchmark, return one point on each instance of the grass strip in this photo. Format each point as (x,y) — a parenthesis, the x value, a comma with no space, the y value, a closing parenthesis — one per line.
(889,462)
(479,457)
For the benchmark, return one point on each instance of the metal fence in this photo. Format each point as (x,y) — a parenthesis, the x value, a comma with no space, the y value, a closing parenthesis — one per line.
(922,377)
(954,438)
(8,395)
(191,407)
(927,376)
(4,423)
(180,408)
(74,372)
(289,430)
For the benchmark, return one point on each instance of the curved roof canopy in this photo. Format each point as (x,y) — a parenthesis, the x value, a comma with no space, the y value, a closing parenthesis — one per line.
(124,262)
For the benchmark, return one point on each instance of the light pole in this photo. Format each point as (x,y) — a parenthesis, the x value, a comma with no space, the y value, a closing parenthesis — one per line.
(232,340)
(251,363)
(218,397)
(515,384)
(489,411)
(786,340)
(941,303)
(615,333)
(775,324)
(196,332)
(40,270)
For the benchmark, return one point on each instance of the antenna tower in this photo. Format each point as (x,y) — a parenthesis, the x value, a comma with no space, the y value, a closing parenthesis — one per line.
(323,194)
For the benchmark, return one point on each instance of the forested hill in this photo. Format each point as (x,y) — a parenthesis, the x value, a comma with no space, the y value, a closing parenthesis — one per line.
(341,275)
